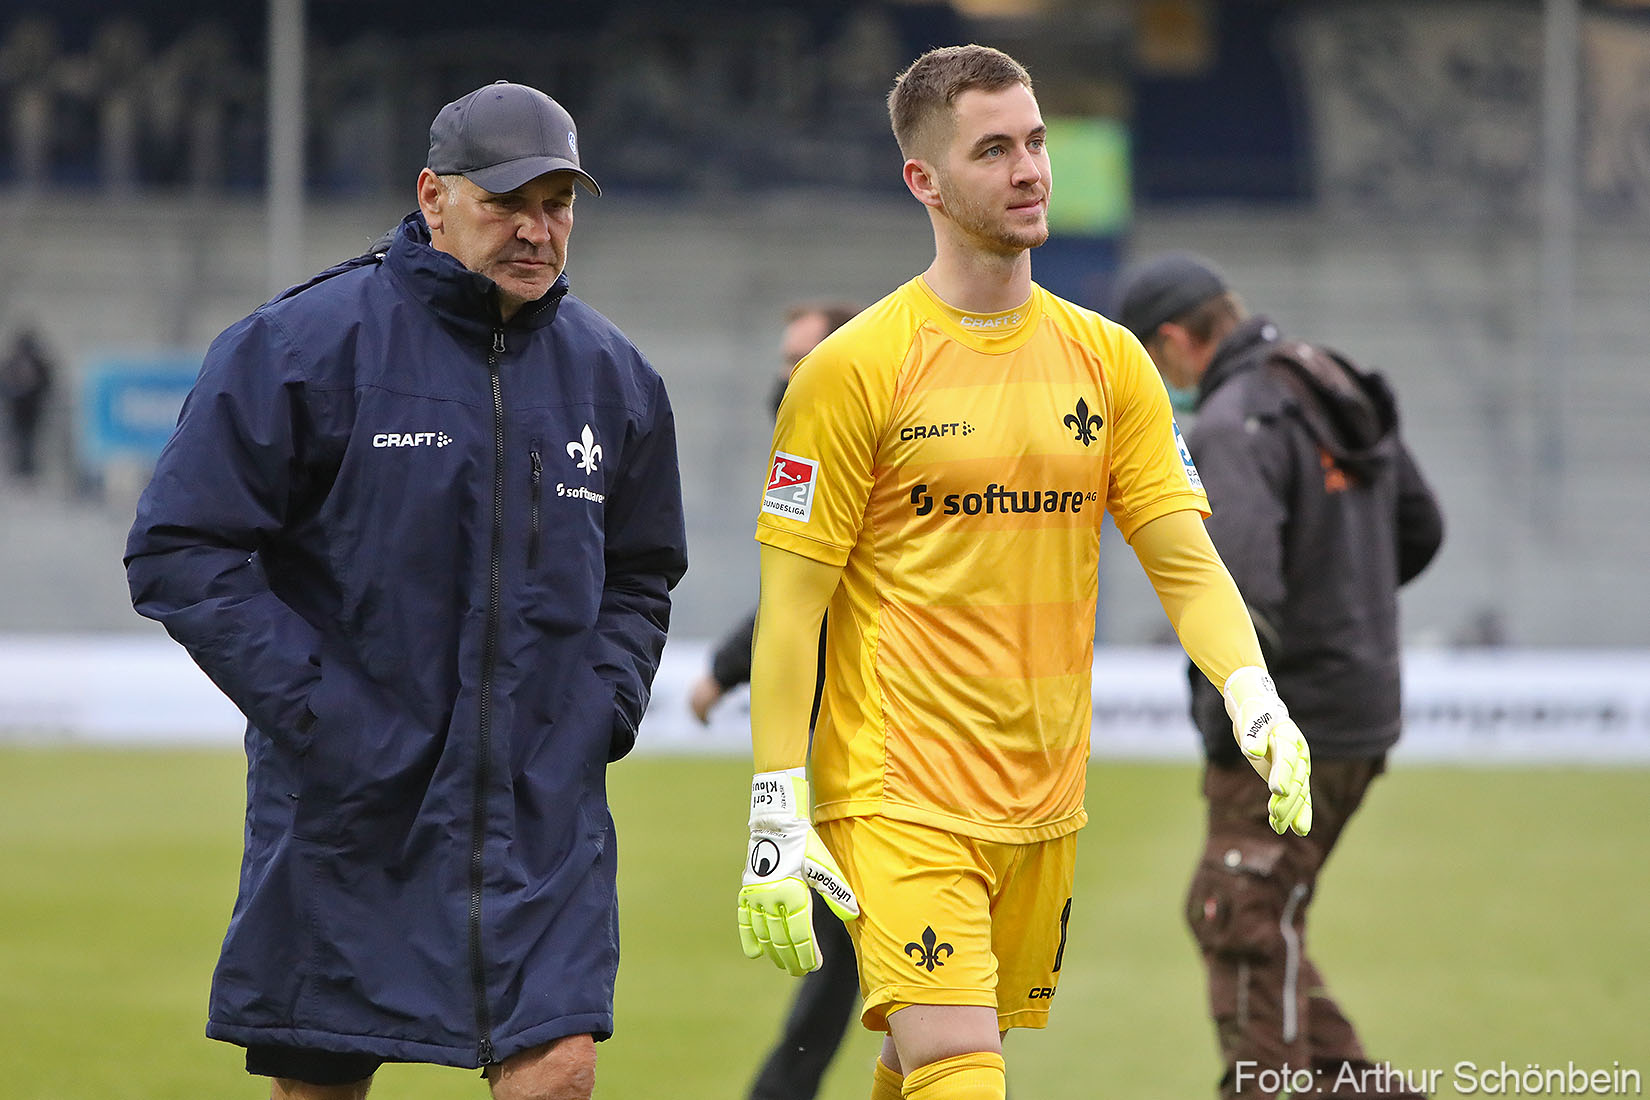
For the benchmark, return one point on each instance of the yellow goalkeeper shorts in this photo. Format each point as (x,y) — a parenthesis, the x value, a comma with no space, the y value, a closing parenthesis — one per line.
(951,920)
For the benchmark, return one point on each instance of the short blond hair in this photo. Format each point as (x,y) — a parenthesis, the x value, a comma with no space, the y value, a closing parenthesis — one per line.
(924,94)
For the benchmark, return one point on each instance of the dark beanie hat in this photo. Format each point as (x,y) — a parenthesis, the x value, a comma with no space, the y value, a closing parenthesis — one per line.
(1162,288)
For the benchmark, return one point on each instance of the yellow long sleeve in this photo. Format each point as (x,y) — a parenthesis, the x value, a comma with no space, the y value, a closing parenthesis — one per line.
(1198,594)
(785,655)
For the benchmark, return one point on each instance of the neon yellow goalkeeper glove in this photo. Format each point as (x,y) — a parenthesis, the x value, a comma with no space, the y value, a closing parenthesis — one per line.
(786,857)
(1272,742)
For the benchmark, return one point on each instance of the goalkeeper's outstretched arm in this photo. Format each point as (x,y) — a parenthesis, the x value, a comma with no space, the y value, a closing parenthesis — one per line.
(1209,617)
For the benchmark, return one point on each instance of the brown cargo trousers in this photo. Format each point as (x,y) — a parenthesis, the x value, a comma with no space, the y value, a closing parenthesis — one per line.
(1247,909)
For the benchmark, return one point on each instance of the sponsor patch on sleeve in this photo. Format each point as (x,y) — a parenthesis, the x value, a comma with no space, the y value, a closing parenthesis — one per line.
(790,491)
(1186,459)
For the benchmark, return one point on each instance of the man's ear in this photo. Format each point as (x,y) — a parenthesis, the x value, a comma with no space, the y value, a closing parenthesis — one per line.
(1177,337)
(1182,358)
(432,198)
(923,182)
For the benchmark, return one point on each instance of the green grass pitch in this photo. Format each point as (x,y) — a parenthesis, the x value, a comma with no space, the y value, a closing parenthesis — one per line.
(1472,914)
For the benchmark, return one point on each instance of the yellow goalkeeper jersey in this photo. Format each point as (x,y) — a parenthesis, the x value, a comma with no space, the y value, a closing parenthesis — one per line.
(957,465)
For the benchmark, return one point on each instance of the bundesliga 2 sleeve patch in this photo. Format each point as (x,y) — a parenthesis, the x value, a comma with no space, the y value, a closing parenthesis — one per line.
(1186,459)
(790,491)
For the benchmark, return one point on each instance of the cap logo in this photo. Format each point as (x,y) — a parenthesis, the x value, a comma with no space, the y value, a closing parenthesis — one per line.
(572,143)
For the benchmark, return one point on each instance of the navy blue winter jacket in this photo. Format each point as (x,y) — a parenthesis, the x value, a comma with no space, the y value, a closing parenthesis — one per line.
(428,554)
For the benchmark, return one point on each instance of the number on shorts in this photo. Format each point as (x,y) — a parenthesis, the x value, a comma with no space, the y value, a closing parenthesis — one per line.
(1065,920)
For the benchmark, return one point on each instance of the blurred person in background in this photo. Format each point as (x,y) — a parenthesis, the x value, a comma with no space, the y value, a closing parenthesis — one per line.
(806,324)
(940,467)
(420,521)
(819,1015)
(1320,513)
(26,377)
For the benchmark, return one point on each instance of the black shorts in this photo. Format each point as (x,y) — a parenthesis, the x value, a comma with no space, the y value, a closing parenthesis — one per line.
(313,1067)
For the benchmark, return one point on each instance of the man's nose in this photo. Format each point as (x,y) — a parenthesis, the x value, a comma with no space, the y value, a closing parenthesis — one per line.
(534,227)
(1026,168)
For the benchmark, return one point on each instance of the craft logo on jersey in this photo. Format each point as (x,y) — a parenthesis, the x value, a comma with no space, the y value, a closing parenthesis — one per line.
(1186,459)
(411,439)
(585,451)
(934,431)
(1084,423)
(790,491)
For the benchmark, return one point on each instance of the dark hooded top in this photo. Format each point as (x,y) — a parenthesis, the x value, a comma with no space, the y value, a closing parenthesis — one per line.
(1320,513)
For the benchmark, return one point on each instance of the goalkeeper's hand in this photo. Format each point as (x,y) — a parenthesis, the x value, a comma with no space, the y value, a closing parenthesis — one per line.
(786,857)
(1272,742)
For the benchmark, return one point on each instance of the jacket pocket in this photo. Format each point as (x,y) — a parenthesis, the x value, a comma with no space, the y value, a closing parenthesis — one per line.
(314,813)
(1237,899)
(362,776)
(599,701)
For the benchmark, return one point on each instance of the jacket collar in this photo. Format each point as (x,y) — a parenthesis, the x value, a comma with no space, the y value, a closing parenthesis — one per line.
(1349,412)
(1243,349)
(459,296)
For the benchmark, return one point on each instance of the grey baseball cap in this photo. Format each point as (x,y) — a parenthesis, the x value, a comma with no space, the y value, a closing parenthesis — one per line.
(502,135)
(1163,288)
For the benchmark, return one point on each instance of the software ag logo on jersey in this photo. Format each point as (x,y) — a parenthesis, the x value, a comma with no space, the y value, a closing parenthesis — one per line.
(1003,500)
(790,491)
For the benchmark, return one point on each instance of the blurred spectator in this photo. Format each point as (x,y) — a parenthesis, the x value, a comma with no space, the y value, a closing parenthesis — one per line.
(1319,513)
(29,73)
(116,80)
(25,383)
(199,88)
(806,324)
(824,1004)
(1485,628)
(359,87)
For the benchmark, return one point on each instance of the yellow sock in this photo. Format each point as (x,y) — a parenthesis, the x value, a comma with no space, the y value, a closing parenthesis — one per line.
(885,1083)
(963,1077)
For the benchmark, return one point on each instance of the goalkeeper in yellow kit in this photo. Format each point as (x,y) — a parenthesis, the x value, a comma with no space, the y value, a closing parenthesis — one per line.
(939,472)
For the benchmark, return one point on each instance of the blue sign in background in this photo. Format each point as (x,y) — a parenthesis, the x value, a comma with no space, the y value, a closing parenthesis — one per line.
(129,404)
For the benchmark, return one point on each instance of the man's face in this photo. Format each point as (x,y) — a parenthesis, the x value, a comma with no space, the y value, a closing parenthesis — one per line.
(994,179)
(800,337)
(1181,358)
(517,239)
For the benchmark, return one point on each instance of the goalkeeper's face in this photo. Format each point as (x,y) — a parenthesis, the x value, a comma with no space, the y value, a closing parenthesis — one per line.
(994,179)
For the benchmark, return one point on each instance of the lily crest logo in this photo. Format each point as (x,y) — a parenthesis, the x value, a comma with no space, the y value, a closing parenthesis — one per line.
(1084,423)
(927,953)
(585,451)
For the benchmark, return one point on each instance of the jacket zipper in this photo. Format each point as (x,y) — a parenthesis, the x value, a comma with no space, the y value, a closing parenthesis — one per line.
(538,488)
(484,733)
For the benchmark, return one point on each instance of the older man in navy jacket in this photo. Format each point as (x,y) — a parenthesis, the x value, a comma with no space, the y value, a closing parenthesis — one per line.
(420,521)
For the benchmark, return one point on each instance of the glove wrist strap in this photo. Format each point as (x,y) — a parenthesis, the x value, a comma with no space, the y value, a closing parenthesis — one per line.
(780,794)
(1251,683)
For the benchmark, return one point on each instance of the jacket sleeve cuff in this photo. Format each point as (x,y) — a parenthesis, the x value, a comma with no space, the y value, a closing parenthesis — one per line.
(623,738)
